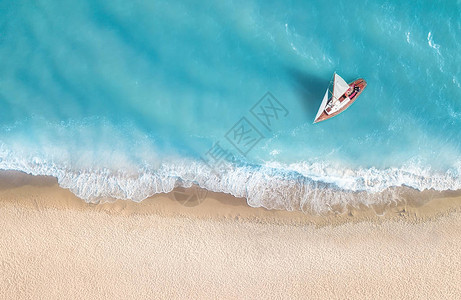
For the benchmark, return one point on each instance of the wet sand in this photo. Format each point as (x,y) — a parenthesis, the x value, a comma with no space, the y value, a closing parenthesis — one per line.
(54,245)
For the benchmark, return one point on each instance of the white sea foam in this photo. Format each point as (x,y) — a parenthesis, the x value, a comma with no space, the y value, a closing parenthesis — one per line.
(302,186)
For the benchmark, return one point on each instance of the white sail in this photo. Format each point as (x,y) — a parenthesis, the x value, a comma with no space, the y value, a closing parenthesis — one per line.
(322,106)
(339,87)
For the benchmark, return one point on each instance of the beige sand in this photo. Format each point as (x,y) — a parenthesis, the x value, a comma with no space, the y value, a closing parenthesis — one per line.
(54,246)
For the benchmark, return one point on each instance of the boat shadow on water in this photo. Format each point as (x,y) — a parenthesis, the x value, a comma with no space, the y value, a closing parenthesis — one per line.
(310,89)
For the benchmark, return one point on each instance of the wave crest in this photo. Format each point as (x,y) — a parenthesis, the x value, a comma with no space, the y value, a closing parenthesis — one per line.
(308,187)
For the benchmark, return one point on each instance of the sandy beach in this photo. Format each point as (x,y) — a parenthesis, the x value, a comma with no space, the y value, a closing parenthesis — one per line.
(55,246)
(230,150)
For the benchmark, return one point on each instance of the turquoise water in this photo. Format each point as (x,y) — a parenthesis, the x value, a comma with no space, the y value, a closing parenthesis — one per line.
(129,99)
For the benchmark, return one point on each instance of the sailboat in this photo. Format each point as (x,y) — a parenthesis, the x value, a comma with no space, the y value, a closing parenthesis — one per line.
(342,97)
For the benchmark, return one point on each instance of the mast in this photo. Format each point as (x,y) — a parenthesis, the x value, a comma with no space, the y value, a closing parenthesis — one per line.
(339,88)
(333,92)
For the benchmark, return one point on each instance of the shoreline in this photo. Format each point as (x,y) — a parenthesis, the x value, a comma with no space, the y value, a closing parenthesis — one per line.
(15,187)
(54,245)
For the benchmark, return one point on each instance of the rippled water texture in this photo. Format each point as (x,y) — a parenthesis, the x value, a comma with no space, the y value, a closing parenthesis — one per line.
(128,99)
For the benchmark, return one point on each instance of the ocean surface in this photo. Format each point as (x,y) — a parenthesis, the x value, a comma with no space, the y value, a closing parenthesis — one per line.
(126,99)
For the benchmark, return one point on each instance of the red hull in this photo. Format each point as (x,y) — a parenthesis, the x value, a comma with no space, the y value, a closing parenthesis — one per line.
(361,83)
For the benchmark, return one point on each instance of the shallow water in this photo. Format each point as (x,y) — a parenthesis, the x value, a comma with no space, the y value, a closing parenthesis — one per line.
(130,99)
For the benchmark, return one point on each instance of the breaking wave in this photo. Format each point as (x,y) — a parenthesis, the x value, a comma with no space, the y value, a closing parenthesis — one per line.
(121,103)
(307,187)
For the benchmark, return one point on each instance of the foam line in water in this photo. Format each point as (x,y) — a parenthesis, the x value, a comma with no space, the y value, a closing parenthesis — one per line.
(316,187)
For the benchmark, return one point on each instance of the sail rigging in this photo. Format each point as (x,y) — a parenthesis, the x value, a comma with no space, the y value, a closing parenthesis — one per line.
(322,106)
(335,99)
(339,87)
